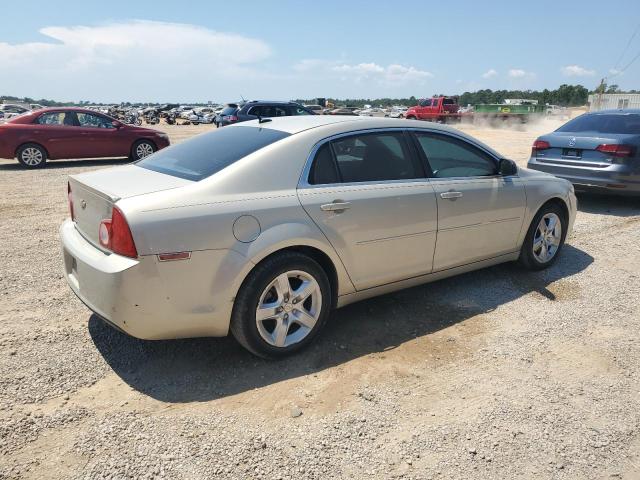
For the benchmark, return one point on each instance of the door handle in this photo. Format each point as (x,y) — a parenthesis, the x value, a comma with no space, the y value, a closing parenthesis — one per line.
(451,195)
(336,206)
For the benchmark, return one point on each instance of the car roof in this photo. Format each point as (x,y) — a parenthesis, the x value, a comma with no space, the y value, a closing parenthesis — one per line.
(67,109)
(299,123)
(275,102)
(618,111)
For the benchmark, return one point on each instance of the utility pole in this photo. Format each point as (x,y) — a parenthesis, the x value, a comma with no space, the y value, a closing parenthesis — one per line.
(600,93)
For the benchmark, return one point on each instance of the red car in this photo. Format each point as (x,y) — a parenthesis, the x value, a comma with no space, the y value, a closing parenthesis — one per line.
(54,133)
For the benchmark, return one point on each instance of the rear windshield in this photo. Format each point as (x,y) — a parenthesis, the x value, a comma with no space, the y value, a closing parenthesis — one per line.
(204,155)
(229,110)
(628,123)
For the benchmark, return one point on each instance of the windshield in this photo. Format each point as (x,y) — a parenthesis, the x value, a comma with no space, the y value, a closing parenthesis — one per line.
(604,123)
(207,154)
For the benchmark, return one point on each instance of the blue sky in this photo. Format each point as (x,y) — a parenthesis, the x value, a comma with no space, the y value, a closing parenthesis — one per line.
(204,50)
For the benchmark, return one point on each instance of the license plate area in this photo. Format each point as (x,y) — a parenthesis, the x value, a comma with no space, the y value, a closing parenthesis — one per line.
(572,152)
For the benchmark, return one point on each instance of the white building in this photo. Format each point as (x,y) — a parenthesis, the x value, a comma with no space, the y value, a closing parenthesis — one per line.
(606,101)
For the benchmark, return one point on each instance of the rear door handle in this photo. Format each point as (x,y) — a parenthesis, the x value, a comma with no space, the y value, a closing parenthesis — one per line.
(451,195)
(336,206)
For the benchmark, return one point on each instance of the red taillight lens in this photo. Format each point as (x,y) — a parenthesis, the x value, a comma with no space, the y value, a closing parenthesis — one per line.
(539,145)
(115,235)
(616,150)
(70,199)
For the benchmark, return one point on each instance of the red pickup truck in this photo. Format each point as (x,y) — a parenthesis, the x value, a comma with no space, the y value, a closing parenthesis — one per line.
(436,109)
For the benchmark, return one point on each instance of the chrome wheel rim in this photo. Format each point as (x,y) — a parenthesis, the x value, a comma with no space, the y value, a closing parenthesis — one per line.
(32,156)
(546,240)
(289,308)
(144,150)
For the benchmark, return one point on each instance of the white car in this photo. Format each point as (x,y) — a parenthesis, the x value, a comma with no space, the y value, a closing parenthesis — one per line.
(262,228)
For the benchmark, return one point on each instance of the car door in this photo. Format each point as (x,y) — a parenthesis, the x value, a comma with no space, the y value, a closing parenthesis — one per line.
(368,193)
(100,138)
(480,212)
(59,133)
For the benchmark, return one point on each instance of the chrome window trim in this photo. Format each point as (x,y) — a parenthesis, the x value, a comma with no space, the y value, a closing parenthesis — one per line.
(303,182)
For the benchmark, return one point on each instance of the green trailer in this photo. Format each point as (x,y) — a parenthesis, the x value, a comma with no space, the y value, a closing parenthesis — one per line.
(514,109)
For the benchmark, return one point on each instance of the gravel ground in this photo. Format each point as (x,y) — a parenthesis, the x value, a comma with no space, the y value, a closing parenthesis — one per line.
(499,373)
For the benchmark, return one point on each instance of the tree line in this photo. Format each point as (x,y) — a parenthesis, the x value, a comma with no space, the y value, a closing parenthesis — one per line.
(565,95)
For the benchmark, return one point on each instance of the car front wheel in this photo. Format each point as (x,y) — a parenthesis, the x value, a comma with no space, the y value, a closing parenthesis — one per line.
(281,306)
(141,149)
(545,238)
(32,155)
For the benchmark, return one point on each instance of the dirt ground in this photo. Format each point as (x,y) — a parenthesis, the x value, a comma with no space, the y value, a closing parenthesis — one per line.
(499,373)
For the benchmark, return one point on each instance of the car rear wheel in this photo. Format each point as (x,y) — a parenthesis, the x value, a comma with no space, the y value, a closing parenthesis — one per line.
(142,149)
(281,306)
(544,239)
(32,155)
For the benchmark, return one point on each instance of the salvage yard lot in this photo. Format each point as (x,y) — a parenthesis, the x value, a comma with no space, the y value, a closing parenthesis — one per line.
(499,373)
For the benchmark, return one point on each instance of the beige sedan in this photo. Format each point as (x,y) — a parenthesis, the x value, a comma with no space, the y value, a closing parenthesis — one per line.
(262,229)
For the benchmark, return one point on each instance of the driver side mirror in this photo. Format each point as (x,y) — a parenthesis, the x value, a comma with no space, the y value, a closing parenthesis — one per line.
(507,167)
(116,124)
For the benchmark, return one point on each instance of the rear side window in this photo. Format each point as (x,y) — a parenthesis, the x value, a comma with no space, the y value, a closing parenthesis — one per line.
(450,157)
(296,110)
(371,157)
(323,170)
(628,123)
(207,154)
(52,118)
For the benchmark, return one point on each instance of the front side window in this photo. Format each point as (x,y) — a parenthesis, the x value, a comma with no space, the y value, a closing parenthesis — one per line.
(370,157)
(207,154)
(89,120)
(425,103)
(450,157)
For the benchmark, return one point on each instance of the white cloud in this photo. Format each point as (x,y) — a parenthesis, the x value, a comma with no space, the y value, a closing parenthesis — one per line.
(517,73)
(614,71)
(393,74)
(489,73)
(139,57)
(576,71)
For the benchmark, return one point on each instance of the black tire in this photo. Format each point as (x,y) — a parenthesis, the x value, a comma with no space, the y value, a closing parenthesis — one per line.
(32,155)
(527,258)
(141,146)
(243,318)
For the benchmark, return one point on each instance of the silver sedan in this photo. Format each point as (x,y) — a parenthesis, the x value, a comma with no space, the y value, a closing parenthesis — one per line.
(262,229)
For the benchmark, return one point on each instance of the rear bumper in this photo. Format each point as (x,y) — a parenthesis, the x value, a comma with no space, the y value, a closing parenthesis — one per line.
(149,299)
(616,178)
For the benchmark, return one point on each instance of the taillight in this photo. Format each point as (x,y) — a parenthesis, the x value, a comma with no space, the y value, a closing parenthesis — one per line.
(115,235)
(231,118)
(539,145)
(616,150)
(70,199)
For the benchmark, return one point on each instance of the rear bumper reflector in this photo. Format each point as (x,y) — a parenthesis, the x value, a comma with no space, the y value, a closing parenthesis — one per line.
(168,257)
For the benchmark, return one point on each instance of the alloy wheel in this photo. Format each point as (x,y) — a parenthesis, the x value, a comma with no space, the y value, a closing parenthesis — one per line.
(289,308)
(547,238)
(144,150)
(32,156)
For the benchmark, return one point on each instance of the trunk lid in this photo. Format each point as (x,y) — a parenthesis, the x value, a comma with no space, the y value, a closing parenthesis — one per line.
(580,149)
(94,193)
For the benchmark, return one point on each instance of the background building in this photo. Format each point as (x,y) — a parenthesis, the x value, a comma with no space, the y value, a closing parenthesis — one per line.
(603,101)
